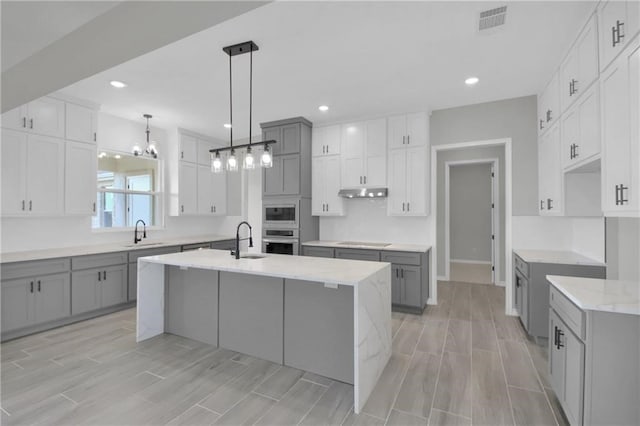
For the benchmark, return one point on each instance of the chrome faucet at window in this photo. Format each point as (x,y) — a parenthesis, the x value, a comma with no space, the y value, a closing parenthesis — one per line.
(136,239)
(237,251)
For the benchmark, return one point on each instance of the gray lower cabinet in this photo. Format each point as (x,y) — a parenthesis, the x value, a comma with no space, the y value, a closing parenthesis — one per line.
(357,254)
(34,300)
(314,251)
(531,295)
(593,363)
(224,245)
(318,329)
(98,288)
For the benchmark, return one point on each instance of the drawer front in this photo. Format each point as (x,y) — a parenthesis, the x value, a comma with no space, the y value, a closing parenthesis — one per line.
(521,265)
(356,254)
(404,258)
(134,255)
(317,251)
(189,247)
(34,268)
(572,315)
(99,260)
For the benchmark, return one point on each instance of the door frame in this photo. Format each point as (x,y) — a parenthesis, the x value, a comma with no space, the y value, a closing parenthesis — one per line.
(506,143)
(495,213)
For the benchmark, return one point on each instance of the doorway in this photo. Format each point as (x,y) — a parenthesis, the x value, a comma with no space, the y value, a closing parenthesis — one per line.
(472,216)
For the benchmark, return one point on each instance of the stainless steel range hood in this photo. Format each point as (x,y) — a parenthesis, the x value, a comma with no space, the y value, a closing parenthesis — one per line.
(364,193)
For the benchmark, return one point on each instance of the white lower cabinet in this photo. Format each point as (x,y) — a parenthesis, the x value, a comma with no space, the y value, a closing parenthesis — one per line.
(32,174)
(620,93)
(408,182)
(550,173)
(34,300)
(325,184)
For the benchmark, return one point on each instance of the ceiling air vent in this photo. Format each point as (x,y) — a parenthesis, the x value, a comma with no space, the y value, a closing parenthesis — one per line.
(492,18)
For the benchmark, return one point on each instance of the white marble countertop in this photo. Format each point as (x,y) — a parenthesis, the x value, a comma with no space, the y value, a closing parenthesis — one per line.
(22,256)
(593,294)
(332,271)
(556,256)
(369,246)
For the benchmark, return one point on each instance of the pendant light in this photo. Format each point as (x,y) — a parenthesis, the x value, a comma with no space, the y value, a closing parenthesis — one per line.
(245,151)
(150,148)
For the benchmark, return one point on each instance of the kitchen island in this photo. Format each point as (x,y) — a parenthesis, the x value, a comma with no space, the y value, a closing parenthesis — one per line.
(328,316)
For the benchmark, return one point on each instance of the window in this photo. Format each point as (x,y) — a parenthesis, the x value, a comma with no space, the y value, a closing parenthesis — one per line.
(128,190)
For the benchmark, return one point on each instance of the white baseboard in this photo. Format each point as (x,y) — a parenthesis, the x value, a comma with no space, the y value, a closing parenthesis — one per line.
(475,262)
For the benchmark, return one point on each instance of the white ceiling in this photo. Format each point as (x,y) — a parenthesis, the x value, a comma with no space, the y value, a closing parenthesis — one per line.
(29,26)
(363,59)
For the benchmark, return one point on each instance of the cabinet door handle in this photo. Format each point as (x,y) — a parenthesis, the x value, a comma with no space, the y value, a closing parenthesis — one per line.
(39,286)
(402,206)
(403,139)
(95,137)
(571,152)
(360,180)
(616,34)
(99,276)
(31,123)
(541,124)
(541,204)
(182,208)
(397,272)
(327,149)
(30,205)
(365,180)
(24,122)
(94,207)
(23,205)
(408,206)
(181,155)
(104,275)
(555,336)
(620,200)
(549,204)
(408,139)
(575,150)
(560,334)
(327,206)
(549,115)
(31,286)
(402,273)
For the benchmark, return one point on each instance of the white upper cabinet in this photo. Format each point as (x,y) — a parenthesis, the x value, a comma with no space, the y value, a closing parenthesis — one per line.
(550,173)
(81,123)
(80,178)
(325,140)
(325,184)
(364,149)
(32,174)
(188,188)
(619,22)
(580,68)
(549,105)
(188,148)
(212,191)
(408,183)
(203,156)
(44,116)
(581,130)
(408,130)
(620,93)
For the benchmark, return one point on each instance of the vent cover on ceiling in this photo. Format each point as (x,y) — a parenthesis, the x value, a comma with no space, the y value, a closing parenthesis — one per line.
(492,18)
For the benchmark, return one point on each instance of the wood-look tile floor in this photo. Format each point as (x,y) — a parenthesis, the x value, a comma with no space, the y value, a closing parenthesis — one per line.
(462,362)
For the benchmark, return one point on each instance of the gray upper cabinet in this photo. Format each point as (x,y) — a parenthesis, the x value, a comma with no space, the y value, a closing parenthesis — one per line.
(291,171)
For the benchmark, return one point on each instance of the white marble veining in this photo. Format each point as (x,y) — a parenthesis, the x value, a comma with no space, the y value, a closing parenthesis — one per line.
(366,246)
(556,256)
(22,256)
(372,327)
(332,271)
(150,306)
(593,294)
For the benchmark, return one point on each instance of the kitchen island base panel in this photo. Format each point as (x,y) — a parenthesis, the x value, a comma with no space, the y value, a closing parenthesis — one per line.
(251,315)
(370,314)
(318,329)
(191,307)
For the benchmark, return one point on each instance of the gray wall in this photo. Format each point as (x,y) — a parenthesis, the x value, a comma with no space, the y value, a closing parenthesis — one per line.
(470,154)
(511,118)
(623,248)
(470,212)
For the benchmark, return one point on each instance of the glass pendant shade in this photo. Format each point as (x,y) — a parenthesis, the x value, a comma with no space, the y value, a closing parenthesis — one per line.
(266,160)
(249,162)
(232,162)
(216,163)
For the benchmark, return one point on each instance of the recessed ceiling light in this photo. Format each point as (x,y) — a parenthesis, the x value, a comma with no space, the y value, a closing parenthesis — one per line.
(227,125)
(323,108)
(471,81)
(118,84)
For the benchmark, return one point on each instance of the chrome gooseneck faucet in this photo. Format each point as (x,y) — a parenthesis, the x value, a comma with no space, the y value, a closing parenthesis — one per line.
(136,239)
(237,251)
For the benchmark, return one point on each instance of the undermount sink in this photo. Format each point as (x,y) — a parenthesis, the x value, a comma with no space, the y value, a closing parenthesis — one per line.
(252,256)
(357,243)
(144,244)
